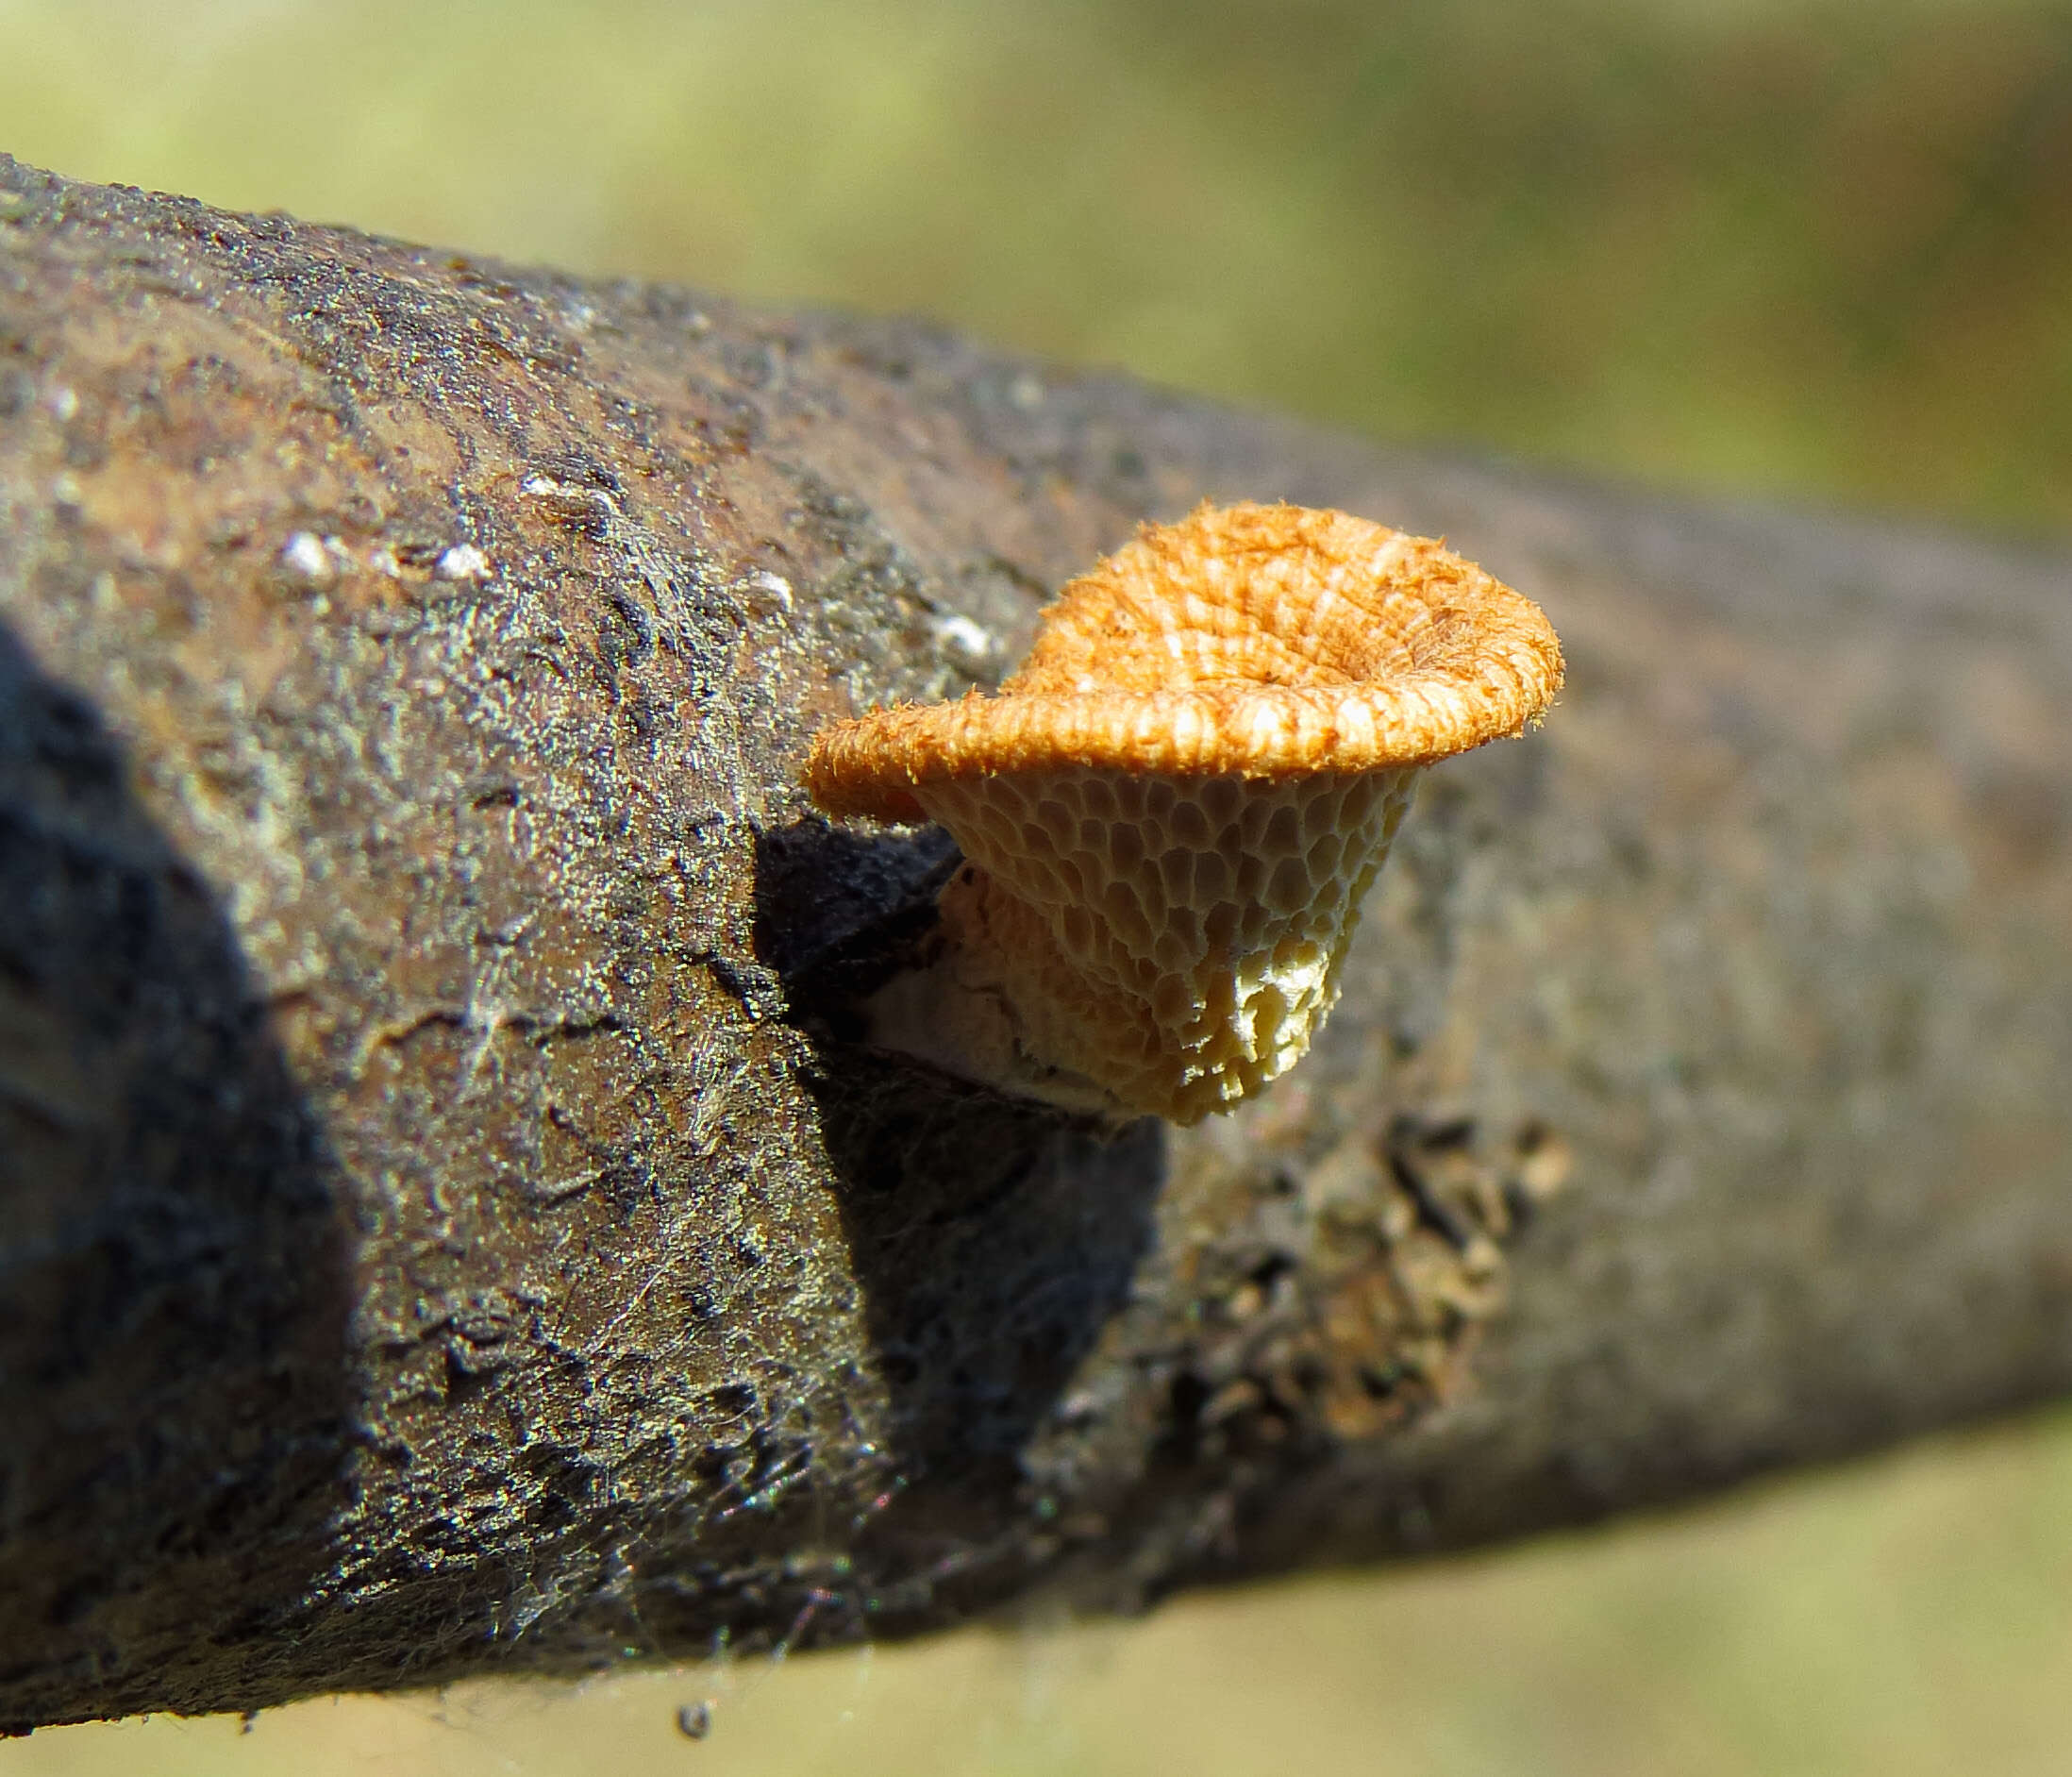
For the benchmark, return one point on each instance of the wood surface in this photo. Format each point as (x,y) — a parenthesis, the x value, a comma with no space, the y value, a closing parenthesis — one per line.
(446,1224)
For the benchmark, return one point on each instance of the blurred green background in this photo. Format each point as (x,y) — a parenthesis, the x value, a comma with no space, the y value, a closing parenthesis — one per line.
(1816,252)
(1811,248)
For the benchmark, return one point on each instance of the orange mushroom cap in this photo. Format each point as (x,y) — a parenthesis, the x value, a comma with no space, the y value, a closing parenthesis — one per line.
(1261,641)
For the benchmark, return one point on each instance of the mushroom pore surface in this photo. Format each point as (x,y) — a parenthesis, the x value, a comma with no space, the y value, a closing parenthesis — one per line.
(1170,815)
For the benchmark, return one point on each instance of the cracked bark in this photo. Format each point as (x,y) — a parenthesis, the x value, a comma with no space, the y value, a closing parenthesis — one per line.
(445,1226)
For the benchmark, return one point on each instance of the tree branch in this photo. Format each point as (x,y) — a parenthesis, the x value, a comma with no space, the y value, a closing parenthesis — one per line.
(448,1226)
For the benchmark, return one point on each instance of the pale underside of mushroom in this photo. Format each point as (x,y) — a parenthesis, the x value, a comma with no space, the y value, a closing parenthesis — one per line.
(1170,816)
(1145,943)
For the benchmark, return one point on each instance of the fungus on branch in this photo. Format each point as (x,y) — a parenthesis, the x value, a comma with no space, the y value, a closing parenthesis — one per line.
(1171,813)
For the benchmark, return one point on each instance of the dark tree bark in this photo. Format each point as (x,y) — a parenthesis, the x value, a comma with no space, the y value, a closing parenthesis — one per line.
(445,1223)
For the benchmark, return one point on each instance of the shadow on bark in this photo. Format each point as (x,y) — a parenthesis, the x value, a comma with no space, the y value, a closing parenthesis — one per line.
(173,1266)
(994,1237)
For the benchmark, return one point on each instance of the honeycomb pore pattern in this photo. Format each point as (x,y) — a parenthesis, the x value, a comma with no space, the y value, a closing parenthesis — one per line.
(1175,939)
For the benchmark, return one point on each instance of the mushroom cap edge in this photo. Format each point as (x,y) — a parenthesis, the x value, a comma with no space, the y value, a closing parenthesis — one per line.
(1492,666)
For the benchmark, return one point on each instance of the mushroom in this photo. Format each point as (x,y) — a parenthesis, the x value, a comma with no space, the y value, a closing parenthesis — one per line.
(1169,815)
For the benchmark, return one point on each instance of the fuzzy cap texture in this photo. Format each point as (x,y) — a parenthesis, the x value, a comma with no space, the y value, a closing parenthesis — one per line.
(1266,641)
